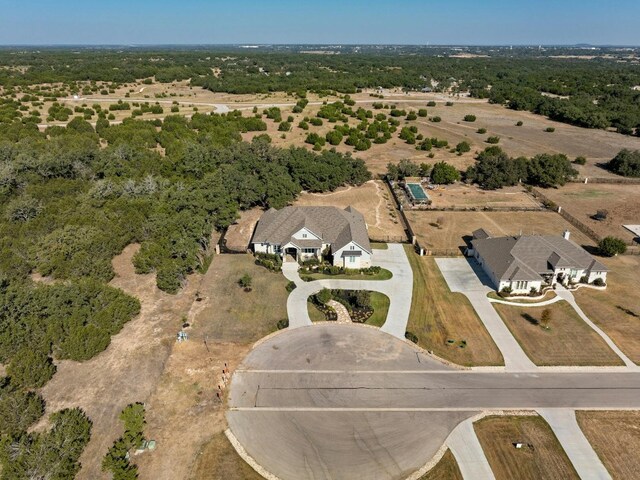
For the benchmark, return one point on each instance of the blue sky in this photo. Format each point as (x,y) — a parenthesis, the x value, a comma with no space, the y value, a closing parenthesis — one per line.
(326,21)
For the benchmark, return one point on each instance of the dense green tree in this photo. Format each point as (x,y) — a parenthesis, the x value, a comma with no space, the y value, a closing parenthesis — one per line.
(546,170)
(443,173)
(626,163)
(612,246)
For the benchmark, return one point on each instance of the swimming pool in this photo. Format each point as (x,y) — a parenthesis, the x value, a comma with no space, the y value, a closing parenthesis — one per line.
(417,192)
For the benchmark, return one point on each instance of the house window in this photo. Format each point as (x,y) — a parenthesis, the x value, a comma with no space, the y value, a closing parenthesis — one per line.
(520,284)
(352,259)
(308,250)
(304,235)
(352,247)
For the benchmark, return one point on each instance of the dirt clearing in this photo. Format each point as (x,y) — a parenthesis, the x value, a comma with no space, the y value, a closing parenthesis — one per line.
(461,195)
(449,230)
(128,370)
(372,199)
(621,202)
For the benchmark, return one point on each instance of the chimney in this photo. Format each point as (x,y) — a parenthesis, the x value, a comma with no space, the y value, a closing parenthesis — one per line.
(566,234)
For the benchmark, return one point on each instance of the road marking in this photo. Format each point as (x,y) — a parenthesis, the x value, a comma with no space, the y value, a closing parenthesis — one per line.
(419,409)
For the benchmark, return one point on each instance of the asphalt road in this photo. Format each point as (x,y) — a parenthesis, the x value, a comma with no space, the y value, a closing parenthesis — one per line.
(350,402)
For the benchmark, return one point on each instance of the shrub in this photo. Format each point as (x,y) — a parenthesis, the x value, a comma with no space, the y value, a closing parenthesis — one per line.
(435,119)
(463,147)
(323,296)
(245,281)
(431,103)
(612,246)
(412,337)
(493,140)
(549,129)
(519,123)
(505,292)
(469,118)
(422,112)
(30,368)
(284,127)
(598,282)
(481,131)
(291,286)
(282,324)
(448,104)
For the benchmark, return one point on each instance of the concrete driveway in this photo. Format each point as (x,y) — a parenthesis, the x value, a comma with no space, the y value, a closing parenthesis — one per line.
(350,402)
(465,276)
(399,289)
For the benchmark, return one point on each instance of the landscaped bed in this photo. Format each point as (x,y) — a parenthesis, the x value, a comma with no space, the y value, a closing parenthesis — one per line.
(363,306)
(566,340)
(376,273)
(441,320)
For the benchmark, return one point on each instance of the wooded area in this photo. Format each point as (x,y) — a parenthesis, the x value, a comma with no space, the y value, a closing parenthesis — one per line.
(593,92)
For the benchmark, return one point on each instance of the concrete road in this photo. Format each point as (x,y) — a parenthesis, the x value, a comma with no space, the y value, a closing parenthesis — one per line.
(350,402)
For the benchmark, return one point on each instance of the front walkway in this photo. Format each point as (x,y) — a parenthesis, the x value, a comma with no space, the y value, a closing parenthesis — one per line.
(568,296)
(399,289)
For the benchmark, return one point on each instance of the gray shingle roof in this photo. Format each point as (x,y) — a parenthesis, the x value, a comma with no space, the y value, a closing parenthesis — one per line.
(333,225)
(529,257)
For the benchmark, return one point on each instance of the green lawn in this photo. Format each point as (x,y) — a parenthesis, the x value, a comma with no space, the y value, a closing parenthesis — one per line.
(380,303)
(315,314)
(379,246)
(382,275)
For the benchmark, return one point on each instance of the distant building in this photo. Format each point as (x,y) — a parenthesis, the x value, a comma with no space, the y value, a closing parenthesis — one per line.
(329,233)
(529,262)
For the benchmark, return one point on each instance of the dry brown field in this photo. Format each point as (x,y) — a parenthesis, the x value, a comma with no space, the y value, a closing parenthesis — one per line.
(445,469)
(568,341)
(230,314)
(545,460)
(615,436)
(218,460)
(445,322)
(462,195)
(617,309)
(583,201)
(530,139)
(448,230)
(176,381)
(128,370)
(372,199)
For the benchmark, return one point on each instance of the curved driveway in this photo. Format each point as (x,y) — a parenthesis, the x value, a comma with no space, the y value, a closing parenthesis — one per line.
(399,289)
